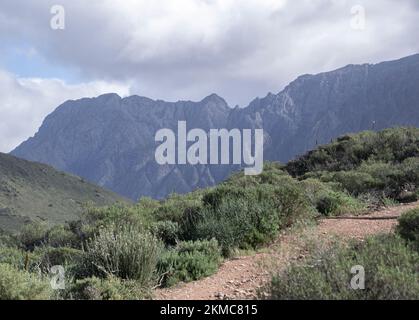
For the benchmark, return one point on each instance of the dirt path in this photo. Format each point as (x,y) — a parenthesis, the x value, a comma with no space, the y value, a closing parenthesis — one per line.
(241,278)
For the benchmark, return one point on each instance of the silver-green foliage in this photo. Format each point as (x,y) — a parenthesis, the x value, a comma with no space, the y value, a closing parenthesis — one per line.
(126,252)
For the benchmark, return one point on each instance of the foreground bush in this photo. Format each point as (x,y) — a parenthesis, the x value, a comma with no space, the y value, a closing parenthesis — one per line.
(246,218)
(234,224)
(21,285)
(391,272)
(408,227)
(110,288)
(190,261)
(124,251)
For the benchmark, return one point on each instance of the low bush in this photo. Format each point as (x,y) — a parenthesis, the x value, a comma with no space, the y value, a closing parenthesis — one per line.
(408,227)
(33,235)
(118,215)
(327,275)
(12,256)
(190,261)
(173,208)
(337,203)
(110,288)
(21,285)
(241,222)
(329,200)
(7,240)
(168,231)
(124,251)
(61,236)
(247,218)
(355,182)
(49,257)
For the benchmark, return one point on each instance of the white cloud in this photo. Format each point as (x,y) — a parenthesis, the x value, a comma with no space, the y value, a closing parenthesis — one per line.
(187,49)
(25,102)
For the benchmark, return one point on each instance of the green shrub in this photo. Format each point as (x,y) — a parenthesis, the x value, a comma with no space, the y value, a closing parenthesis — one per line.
(118,215)
(168,231)
(337,203)
(192,216)
(240,222)
(12,256)
(173,208)
(329,200)
(247,218)
(33,235)
(390,273)
(293,204)
(273,174)
(190,261)
(62,256)
(7,240)
(355,182)
(21,285)
(385,163)
(349,152)
(124,251)
(408,226)
(327,204)
(61,236)
(408,197)
(410,167)
(110,288)
(231,223)
(21,259)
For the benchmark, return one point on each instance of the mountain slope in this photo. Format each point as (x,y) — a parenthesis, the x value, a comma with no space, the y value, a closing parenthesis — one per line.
(110,141)
(314,109)
(33,191)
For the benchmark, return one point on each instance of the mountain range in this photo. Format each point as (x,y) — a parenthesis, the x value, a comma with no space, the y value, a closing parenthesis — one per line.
(109,140)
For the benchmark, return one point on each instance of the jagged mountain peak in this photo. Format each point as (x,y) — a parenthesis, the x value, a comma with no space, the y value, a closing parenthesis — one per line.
(214,98)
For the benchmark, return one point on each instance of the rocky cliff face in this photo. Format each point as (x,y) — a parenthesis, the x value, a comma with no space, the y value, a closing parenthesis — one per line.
(316,108)
(110,141)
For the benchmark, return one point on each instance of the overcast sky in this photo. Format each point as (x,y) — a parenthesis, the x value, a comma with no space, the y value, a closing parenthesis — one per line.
(183,49)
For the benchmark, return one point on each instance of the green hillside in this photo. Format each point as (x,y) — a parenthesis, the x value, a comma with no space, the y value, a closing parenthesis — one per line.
(384,164)
(34,192)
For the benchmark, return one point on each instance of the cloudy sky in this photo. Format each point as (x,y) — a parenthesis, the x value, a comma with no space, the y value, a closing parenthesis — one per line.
(183,49)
